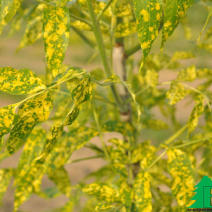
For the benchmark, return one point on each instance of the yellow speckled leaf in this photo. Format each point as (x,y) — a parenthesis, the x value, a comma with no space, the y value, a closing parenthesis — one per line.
(7,115)
(73,141)
(19,82)
(142,192)
(176,92)
(174,10)
(143,153)
(5,176)
(125,28)
(181,170)
(38,107)
(23,179)
(102,192)
(56,38)
(196,112)
(188,74)
(33,32)
(8,9)
(30,113)
(148,14)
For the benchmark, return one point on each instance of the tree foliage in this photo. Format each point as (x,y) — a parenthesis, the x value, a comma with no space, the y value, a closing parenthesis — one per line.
(78,105)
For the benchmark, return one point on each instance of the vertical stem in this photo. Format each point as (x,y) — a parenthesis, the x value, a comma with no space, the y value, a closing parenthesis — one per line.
(98,36)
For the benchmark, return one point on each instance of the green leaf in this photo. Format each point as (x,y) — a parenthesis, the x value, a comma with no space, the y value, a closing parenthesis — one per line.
(71,116)
(182,172)
(117,126)
(176,92)
(7,115)
(70,73)
(82,91)
(61,178)
(71,142)
(102,192)
(38,107)
(189,74)
(143,153)
(30,113)
(33,32)
(182,55)
(174,10)
(24,180)
(32,149)
(5,176)
(196,112)
(19,133)
(56,37)
(142,192)
(19,82)
(8,9)
(148,14)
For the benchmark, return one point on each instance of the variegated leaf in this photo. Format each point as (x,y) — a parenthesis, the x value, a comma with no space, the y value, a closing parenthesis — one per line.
(33,32)
(65,146)
(104,193)
(5,176)
(24,179)
(182,172)
(7,115)
(56,38)
(8,9)
(196,112)
(148,14)
(174,10)
(176,92)
(30,113)
(142,192)
(19,82)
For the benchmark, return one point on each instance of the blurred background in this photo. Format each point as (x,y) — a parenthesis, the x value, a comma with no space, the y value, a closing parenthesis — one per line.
(81,55)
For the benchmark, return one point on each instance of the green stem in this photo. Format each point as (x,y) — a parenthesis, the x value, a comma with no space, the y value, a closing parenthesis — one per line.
(157,159)
(204,27)
(167,142)
(85,158)
(176,135)
(83,37)
(99,39)
(106,153)
(80,19)
(192,142)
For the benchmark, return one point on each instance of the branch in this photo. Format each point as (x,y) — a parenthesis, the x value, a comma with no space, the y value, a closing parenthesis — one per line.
(99,39)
